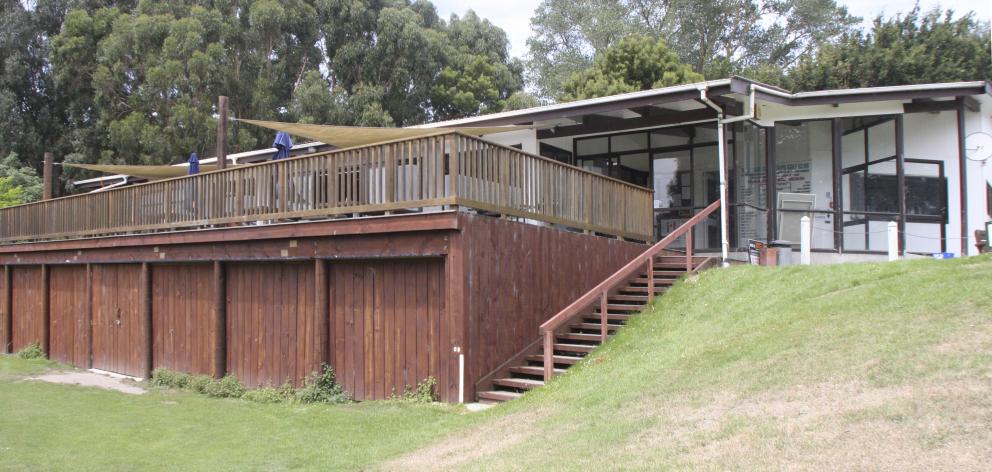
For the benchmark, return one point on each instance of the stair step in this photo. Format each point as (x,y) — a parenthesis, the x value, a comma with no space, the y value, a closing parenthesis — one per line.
(595,326)
(672,266)
(497,396)
(638,299)
(609,316)
(525,384)
(621,307)
(667,273)
(565,347)
(636,289)
(532,370)
(579,337)
(657,281)
(557,359)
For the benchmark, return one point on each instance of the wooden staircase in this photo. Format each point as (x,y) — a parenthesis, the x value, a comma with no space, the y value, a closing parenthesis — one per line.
(592,319)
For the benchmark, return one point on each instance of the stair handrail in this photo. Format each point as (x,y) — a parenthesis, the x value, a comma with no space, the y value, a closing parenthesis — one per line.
(602,291)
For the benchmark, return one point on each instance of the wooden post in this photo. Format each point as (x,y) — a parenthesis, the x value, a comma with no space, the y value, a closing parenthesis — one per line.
(688,250)
(88,326)
(5,311)
(220,320)
(323,308)
(453,164)
(48,177)
(603,303)
(46,298)
(549,354)
(146,319)
(221,132)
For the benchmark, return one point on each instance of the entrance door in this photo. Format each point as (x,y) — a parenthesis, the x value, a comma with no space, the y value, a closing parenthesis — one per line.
(118,340)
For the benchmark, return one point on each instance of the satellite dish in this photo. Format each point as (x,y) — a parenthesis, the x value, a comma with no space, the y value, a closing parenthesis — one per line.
(978,146)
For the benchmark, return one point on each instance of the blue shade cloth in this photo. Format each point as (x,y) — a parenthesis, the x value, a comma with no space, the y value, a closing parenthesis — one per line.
(194,164)
(282,144)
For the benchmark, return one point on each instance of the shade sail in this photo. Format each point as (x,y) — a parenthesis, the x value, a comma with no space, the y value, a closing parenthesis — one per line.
(145,172)
(349,136)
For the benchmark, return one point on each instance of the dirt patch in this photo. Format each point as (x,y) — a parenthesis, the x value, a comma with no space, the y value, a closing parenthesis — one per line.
(91,379)
(464,447)
(939,425)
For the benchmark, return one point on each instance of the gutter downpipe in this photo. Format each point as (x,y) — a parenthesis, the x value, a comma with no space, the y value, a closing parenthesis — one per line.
(721,144)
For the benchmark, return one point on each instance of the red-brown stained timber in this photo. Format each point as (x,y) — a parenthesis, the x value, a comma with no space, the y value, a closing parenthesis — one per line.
(118,336)
(183,317)
(6,325)
(26,307)
(67,315)
(220,320)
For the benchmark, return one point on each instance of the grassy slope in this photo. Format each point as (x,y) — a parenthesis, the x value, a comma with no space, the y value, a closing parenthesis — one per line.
(848,366)
(845,366)
(59,427)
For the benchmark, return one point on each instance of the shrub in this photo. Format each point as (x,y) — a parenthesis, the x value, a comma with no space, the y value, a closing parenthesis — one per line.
(283,394)
(423,392)
(31,351)
(227,387)
(321,387)
(162,377)
(200,383)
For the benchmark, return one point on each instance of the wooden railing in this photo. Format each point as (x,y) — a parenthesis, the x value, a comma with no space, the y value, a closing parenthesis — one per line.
(411,174)
(601,293)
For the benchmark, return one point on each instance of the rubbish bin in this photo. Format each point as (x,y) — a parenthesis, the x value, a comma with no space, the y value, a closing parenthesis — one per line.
(784,249)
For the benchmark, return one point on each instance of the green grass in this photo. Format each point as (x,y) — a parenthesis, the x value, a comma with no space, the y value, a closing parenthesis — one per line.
(56,427)
(756,368)
(832,367)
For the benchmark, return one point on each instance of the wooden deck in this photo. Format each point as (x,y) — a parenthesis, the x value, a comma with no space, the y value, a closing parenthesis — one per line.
(423,174)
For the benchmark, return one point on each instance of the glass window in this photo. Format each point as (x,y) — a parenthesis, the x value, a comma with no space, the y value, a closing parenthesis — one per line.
(629,142)
(672,180)
(669,137)
(804,166)
(749,147)
(634,168)
(592,146)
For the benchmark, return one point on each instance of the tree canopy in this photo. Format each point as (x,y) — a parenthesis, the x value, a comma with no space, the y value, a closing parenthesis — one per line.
(137,81)
(917,48)
(714,37)
(634,63)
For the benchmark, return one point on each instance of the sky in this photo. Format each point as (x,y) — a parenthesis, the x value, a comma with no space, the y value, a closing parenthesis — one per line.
(514,15)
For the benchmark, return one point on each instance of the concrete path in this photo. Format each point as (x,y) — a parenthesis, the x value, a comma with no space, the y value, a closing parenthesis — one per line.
(91,379)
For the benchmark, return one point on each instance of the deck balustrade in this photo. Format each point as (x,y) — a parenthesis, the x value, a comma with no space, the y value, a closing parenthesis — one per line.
(405,175)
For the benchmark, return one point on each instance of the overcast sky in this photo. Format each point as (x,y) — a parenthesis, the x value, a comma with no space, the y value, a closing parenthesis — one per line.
(514,15)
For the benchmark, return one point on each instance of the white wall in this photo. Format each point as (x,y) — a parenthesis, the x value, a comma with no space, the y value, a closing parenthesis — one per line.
(979,175)
(525,137)
(934,136)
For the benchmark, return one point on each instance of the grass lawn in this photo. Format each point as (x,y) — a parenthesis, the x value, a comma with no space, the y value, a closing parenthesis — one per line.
(857,366)
(57,427)
(854,366)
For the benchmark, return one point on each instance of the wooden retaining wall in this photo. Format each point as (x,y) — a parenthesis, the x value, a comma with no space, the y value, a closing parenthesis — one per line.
(387,302)
(519,275)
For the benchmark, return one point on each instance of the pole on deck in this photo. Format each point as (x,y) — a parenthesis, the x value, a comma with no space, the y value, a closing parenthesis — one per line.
(222,132)
(48,177)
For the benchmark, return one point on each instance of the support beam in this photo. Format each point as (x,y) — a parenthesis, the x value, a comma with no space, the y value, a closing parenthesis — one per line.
(46,304)
(88,323)
(628,124)
(48,177)
(5,314)
(771,182)
(901,182)
(321,301)
(146,319)
(220,320)
(222,132)
(838,189)
(963,178)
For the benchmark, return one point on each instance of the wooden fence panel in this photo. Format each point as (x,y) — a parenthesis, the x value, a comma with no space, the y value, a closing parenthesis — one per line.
(387,319)
(67,289)
(272,327)
(183,312)
(27,305)
(119,342)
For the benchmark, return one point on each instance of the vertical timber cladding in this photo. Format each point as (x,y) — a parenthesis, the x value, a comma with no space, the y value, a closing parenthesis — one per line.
(119,342)
(517,276)
(27,306)
(67,289)
(389,330)
(183,314)
(274,334)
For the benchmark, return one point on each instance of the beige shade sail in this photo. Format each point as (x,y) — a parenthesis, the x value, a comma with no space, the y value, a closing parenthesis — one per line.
(350,136)
(144,172)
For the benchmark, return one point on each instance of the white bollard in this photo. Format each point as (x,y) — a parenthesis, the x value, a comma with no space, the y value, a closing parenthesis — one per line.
(893,241)
(461,378)
(806,240)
